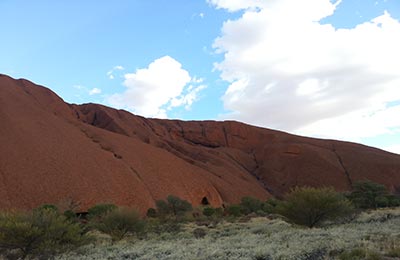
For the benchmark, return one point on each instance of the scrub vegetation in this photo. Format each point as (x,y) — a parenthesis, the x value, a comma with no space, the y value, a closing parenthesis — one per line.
(308,223)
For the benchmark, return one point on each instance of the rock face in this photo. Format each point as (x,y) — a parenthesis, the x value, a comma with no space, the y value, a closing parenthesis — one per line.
(51,151)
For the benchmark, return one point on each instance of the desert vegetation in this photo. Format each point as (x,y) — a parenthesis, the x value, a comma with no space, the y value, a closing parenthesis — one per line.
(308,223)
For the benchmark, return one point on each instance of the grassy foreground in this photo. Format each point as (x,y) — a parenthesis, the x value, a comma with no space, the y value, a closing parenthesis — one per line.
(371,235)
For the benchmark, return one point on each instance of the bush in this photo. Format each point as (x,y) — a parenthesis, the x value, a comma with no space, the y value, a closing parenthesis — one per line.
(70,215)
(162,208)
(359,254)
(40,233)
(219,212)
(312,206)
(199,233)
(249,205)
(47,207)
(270,205)
(151,213)
(369,195)
(234,210)
(173,206)
(394,252)
(394,201)
(121,222)
(99,210)
(208,211)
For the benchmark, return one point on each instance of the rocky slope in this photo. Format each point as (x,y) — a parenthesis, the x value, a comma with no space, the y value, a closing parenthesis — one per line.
(53,152)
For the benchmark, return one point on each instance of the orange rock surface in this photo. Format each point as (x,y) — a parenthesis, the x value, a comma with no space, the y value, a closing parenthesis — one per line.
(51,151)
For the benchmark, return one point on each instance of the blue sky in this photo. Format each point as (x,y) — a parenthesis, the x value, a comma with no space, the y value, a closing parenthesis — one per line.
(314,67)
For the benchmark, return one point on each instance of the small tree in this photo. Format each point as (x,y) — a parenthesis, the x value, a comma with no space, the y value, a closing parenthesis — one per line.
(173,206)
(162,208)
(178,206)
(368,194)
(121,222)
(312,206)
(40,233)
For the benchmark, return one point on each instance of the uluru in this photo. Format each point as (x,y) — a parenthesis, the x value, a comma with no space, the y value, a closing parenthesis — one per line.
(51,151)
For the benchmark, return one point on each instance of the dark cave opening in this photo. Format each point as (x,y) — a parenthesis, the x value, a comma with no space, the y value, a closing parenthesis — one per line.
(204,201)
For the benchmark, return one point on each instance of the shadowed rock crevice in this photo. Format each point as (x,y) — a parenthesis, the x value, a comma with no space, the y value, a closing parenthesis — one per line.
(346,172)
(225,136)
(97,141)
(254,172)
(92,115)
(136,173)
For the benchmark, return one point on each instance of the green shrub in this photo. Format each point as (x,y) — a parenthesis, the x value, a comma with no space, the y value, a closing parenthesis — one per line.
(312,206)
(70,215)
(178,206)
(360,254)
(354,254)
(99,210)
(162,208)
(120,222)
(394,201)
(382,201)
(394,252)
(262,256)
(40,233)
(270,205)
(219,212)
(249,205)
(151,213)
(173,206)
(47,207)
(199,233)
(234,210)
(369,195)
(208,211)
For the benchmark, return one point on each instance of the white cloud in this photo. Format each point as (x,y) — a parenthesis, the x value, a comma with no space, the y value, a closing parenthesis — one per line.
(110,73)
(287,71)
(236,5)
(151,91)
(188,98)
(94,91)
(84,90)
(393,148)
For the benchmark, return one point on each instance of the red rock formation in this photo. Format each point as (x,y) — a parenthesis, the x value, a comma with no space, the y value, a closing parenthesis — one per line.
(51,151)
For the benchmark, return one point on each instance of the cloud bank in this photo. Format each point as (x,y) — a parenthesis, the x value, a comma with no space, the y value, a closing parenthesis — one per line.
(288,71)
(154,90)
